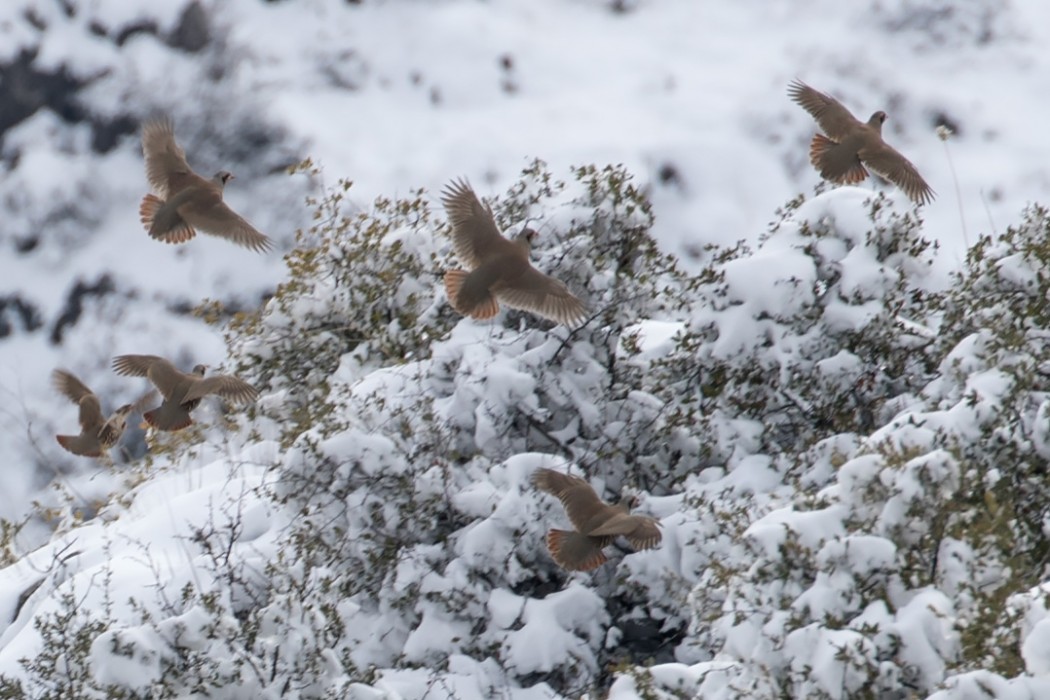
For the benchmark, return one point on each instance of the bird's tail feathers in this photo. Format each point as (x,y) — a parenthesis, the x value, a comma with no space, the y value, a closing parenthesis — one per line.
(155,421)
(180,233)
(485,309)
(574,551)
(831,163)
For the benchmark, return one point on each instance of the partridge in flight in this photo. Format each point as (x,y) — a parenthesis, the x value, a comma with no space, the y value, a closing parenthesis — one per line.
(499,269)
(597,523)
(97,433)
(182,391)
(185,202)
(850,144)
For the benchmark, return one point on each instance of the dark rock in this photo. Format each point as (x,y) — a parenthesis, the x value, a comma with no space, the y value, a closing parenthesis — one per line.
(22,311)
(192,32)
(24,90)
(28,243)
(106,134)
(75,304)
(668,174)
(146,26)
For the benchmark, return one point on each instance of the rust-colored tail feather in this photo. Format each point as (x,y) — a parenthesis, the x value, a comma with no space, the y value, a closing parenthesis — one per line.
(574,551)
(151,203)
(151,418)
(454,283)
(820,145)
(818,150)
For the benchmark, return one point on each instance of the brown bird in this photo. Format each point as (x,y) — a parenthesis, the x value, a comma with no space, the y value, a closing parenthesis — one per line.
(184,201)
(97,434)
(182,391)
(597,523)
(499,268)
(849,145)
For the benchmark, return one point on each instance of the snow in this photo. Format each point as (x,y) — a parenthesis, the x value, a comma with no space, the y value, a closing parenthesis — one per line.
(836,519)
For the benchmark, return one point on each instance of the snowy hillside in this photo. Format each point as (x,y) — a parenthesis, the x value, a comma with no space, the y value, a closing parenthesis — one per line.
(839,420)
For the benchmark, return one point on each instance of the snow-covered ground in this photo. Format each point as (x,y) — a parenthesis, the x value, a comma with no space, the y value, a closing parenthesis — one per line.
(687,95)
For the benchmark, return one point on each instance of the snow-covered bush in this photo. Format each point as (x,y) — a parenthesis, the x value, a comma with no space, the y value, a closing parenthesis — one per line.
(410,476)
(846,461)
(889,568)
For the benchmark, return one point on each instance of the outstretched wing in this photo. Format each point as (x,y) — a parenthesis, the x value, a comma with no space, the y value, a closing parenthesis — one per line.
(542,295)
(887,162)
(835,120)
(205,211)
(166,166)
(475,236)
(223,385)
(164,375)
(69,386)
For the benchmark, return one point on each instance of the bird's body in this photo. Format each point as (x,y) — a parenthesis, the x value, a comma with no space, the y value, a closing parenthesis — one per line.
(97,433)
(849,147)
(182,391)
(597,523)
(184,202)
(499,268)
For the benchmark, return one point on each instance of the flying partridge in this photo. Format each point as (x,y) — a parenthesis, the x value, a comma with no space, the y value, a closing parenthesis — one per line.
(184,201)
(97,434)
(182,391)
(499,268)
(597,524)
(849,145)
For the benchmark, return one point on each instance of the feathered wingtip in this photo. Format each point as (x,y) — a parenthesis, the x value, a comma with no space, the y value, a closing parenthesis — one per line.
(70,444)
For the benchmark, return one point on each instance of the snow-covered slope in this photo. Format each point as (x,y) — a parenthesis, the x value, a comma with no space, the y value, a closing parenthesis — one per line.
(447,420)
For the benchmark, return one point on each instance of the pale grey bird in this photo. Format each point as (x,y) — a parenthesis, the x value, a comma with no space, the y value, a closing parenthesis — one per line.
(499,269)
(182,391)
(850,144)
(185,202)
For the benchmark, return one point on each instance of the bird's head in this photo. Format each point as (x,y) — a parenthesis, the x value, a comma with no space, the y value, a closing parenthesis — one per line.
(123,411)
(199,370)
(877,120)
(628,502)
(222,177)
(526,237)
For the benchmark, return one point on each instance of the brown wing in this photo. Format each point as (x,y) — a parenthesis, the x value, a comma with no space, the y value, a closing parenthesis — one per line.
(224,385)
(164,375)
(640,530)
(887,162)
(581,503)
(91,418)
(166,166)
(835,120)
(69,386)
(475,236)
(542,295)
(205,211)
